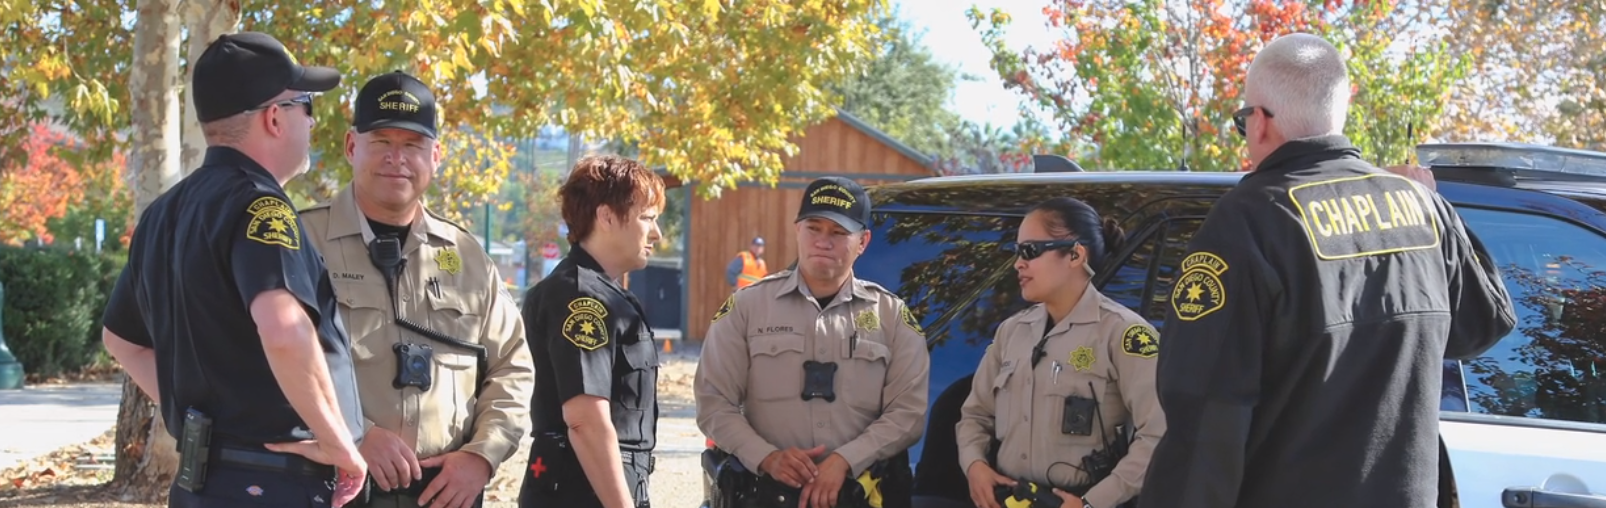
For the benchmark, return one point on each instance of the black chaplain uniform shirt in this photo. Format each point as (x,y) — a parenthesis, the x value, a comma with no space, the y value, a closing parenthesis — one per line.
(200,255)
(1309,327)
(589,336)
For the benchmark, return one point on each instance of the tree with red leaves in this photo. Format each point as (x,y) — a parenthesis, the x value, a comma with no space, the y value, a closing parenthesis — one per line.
(1151,84)
(37,188)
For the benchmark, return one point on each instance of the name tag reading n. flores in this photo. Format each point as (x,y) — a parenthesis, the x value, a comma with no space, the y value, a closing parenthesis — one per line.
(1365,216)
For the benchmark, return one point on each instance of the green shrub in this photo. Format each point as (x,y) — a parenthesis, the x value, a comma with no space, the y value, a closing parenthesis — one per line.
(53,303)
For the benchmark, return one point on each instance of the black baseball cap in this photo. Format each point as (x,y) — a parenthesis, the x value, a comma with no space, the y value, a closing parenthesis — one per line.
(839,199)
(241,71)
(395,101)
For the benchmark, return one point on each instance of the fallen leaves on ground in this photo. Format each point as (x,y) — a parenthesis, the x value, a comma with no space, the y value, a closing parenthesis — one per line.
(93,374)
(75,475)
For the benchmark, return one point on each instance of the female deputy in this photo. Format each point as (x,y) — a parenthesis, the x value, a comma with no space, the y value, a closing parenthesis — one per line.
(1064,377)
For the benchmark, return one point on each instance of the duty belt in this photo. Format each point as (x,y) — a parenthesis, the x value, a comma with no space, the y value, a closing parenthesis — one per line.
(264,460)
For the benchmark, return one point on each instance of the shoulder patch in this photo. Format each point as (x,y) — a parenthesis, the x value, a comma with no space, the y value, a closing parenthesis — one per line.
(1141,341)
(725,308)
(909,320)
(585,326)
(1199,291)
(273,222)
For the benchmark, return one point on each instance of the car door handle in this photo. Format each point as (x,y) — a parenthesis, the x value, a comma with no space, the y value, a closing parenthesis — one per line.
(1532,497)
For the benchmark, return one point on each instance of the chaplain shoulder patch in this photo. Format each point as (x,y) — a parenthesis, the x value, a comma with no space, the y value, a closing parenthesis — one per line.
(585,326)
(273,222)
(1199,291)
(1141,341)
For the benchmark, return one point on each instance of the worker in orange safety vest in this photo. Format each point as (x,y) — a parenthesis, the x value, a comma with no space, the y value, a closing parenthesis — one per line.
(748,267)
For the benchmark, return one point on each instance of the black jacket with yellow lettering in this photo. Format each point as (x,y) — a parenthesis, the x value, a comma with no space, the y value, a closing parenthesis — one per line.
(1308,330)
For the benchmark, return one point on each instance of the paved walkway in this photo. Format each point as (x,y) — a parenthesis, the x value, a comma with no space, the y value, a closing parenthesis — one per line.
(37,420)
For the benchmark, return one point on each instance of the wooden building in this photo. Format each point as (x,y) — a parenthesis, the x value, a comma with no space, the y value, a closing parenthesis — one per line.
(720,228)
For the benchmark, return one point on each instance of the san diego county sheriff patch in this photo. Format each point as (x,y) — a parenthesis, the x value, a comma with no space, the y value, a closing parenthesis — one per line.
(1199,291)
(449,261)
(724,308)
(1140,341)
(585,327)
(273,222)
(909,320)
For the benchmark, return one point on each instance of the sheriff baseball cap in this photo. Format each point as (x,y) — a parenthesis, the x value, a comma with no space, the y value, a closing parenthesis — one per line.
(838,199)
(242,71)
(395,101)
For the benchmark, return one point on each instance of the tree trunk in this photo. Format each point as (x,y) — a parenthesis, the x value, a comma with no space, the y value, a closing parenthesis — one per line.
(147,457)
(154,89)
(204,20)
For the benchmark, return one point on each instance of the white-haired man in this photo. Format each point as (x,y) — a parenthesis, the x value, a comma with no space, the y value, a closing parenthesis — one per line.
(1313,314)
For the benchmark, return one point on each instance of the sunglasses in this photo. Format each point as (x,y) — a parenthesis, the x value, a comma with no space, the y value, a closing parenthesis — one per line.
(1240,118)
(305,100)
(1033,250)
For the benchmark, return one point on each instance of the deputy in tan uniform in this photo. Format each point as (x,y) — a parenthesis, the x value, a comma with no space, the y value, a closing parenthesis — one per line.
(443,371)
(1061,376)
(812,377)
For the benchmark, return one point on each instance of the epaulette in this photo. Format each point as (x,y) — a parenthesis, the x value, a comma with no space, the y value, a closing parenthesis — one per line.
(875,286)
(320,206)
(443,218)
(1021,312)
(771,277)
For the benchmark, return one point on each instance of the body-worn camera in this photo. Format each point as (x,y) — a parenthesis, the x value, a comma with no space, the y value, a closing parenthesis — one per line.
(1077,419)
(414,365)
(819,380)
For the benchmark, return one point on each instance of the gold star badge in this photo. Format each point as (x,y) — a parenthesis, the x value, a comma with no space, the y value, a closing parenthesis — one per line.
(867,320)
(448,261)
(1082,358)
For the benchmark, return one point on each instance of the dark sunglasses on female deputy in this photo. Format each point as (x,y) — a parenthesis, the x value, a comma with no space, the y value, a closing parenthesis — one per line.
(1032,250)
(305,100)
(1240,118)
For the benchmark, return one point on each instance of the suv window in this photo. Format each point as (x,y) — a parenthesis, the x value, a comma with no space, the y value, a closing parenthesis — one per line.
(950,269)
(1553,364)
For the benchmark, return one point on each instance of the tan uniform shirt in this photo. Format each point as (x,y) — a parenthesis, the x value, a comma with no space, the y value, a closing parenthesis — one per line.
(1100,348)
(749,383)
(449,285)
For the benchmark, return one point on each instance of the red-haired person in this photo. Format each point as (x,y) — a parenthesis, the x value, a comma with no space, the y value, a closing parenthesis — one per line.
(596,370)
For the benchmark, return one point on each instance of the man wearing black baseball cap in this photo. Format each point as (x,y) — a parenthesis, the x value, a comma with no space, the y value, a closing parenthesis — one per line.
(858,350)
(256,381)
(436,438)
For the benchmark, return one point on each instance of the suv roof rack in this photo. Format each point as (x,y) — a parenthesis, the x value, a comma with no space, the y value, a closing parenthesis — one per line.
(1049,163)
(1504,163)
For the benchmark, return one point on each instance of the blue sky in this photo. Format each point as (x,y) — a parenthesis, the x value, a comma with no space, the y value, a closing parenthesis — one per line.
(949,35)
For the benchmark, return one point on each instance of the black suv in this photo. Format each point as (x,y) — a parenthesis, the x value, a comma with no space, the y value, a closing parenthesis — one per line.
(1525,423)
